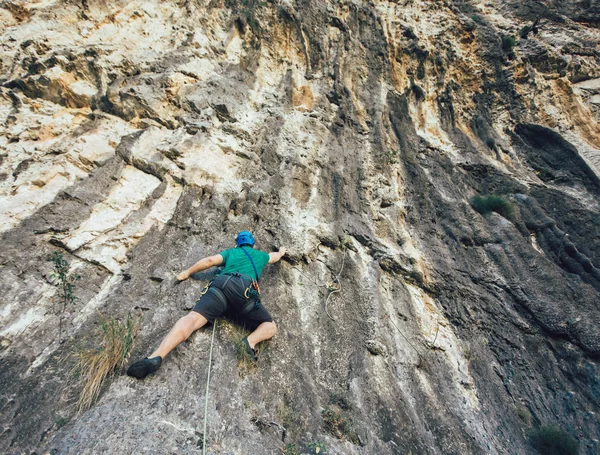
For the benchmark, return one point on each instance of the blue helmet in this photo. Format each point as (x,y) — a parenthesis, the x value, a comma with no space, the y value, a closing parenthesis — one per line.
(244,238)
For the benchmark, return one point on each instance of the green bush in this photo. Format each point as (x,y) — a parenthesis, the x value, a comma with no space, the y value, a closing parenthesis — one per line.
(549,440)
(339,426)
(508,42)
(525,31)
(65,284)
(392,156)
(523,414)
(317,448)
(289,449)
(487,204)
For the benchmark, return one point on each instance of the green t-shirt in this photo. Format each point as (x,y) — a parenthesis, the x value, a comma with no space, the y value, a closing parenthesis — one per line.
(235,260)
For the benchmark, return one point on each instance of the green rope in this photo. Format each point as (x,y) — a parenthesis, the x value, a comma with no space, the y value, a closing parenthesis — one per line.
(207,384)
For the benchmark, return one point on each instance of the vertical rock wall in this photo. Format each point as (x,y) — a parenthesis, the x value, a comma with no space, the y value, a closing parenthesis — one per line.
(137,137)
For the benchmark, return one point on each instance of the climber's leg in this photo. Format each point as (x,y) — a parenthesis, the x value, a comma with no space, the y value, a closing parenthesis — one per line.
(180,332)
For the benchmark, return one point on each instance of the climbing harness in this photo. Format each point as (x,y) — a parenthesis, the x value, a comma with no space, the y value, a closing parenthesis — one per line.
(251,292)
(212,341)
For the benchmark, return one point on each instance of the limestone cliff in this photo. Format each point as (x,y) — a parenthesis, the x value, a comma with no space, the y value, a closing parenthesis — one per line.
(137,137)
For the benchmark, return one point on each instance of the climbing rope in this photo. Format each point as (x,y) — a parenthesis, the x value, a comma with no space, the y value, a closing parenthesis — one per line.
(408,341)
(331,287)
(331,291)
(400,331)
(437,330)
(207,384)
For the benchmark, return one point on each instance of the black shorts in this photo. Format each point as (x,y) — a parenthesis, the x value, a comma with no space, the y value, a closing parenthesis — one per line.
(225,298)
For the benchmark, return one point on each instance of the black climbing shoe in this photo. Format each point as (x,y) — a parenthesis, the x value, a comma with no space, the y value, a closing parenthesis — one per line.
(251,352)
(144,367)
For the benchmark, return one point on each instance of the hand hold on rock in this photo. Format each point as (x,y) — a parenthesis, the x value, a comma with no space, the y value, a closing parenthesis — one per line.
(376,347)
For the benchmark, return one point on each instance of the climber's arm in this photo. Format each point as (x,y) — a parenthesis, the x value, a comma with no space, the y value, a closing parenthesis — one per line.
(202,264)
(276,256)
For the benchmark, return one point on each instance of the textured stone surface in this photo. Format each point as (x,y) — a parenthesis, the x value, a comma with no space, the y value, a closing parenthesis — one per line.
(137,137)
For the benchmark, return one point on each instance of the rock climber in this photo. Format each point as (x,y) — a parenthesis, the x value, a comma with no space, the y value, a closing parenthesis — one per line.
(233,293)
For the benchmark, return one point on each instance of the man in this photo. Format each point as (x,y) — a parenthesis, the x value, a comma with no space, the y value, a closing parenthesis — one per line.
(234,292)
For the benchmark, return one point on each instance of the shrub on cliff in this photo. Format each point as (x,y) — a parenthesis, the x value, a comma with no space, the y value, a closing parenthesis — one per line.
(525,31)
(339,426)
(65,284)
(487,204)
(508,43)
(549,440)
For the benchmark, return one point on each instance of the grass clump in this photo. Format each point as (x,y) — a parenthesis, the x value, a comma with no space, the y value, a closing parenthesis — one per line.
(59,420)
(289,416)
(237,334)
(340,399)
(339,426)
(290,449)
(95,365)
(245,362)
(550,440)
(487,204)
(523,414)
(392,156)
(65,283)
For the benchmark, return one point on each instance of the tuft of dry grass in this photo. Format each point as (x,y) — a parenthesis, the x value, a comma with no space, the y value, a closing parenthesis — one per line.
(245,362)
(339,426)
(95,365)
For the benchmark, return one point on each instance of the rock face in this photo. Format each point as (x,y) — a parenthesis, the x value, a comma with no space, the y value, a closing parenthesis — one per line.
(137,137)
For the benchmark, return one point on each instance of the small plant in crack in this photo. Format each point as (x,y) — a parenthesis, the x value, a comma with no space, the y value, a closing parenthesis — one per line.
(392,156)
(339,426)
(317,447)
(493,203)
(289,449)
(65,284)
(523,414)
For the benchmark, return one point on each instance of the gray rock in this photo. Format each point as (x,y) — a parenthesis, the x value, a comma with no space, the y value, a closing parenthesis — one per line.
(138,140)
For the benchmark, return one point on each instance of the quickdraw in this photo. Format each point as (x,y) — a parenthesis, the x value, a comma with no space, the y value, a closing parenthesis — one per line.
(252,291)
(205,288)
